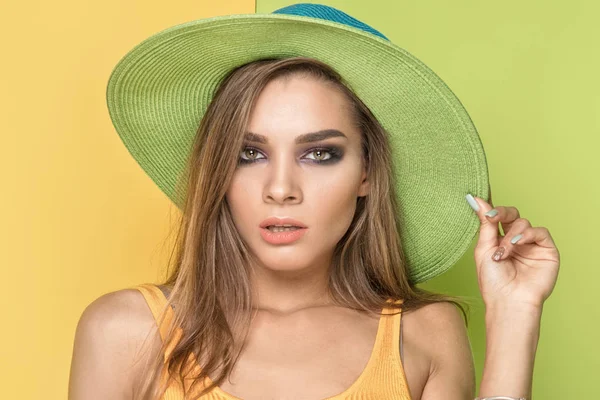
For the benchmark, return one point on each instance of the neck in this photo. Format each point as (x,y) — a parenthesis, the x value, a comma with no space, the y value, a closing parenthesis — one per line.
(288,291)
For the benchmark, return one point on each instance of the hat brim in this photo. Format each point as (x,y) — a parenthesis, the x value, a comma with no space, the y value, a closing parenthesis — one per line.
(159,91)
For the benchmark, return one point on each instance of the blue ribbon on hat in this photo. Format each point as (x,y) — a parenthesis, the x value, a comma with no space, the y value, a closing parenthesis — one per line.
(327,13)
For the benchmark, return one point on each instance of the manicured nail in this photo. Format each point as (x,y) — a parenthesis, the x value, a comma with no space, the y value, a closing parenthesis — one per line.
(516,239)
(498,254)
(472,202)
(492,213)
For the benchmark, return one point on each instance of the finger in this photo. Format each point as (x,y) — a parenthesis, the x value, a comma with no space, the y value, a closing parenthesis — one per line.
(505,215)
(538,235)
(507,242)
(488,230)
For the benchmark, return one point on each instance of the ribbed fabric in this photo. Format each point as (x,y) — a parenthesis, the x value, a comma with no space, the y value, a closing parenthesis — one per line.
(328,14)
(383,378)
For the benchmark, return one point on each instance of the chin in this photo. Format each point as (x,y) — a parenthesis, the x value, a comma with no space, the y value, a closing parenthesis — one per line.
(282,259)
(283,263)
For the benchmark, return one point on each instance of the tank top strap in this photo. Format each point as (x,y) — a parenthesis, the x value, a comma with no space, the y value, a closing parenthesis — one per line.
(383,376)
(386,379)
(162,312)
(390,343)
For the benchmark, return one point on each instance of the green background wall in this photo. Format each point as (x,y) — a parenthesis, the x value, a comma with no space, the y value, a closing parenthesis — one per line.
(527,72)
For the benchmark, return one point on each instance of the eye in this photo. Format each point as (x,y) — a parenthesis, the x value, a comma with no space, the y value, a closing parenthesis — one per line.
(321,154)
(250,153)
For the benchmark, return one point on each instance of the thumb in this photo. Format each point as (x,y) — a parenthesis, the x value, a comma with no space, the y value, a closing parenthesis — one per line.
(488,231)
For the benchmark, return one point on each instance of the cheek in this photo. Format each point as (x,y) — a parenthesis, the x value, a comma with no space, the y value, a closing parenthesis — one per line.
(334,205)
(238,196)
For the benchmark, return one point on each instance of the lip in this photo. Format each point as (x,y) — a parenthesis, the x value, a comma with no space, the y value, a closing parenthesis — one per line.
(281,221)
(282,237)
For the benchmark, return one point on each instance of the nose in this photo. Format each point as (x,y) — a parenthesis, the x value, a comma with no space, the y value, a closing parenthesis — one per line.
(283,182)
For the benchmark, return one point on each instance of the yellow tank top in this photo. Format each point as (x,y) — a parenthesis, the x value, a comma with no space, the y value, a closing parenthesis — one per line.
(382,379)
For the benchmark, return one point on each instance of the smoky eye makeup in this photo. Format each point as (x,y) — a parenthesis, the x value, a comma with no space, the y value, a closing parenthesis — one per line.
(320,155)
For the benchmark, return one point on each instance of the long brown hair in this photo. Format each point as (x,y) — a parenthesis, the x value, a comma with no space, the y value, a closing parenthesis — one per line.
(209,282)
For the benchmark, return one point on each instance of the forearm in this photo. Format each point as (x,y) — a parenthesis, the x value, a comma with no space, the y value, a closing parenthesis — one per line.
(512,335)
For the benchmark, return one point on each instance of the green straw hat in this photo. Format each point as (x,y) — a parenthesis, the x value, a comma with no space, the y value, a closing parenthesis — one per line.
(159,91)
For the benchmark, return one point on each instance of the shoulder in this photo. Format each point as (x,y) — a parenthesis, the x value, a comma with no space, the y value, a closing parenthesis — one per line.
(114,332)
(439,333)
(124,310)
(117,316)
(436,321)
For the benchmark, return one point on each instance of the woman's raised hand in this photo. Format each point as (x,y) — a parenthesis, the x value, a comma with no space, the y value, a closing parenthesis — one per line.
(519,268)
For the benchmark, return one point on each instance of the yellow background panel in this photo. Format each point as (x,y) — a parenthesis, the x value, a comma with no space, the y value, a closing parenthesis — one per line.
(79,217)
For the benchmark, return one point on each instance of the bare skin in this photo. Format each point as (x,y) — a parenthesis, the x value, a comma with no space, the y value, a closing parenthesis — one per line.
(112,330)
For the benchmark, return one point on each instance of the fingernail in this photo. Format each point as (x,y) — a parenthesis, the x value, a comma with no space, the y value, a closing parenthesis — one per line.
(492,213)
(472,202)
(516,239)
(498,254)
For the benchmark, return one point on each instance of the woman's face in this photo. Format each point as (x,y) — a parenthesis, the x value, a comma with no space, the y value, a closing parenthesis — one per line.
(316,182)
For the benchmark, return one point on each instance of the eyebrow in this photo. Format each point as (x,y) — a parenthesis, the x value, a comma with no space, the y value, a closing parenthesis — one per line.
(305,138)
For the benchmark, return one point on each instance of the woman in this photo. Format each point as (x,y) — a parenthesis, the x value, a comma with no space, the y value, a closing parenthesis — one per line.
(309,213)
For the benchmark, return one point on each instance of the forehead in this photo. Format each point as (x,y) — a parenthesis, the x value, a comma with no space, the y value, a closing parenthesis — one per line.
(296,105)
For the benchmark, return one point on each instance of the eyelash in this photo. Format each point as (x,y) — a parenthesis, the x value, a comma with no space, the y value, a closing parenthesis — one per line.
(335,155)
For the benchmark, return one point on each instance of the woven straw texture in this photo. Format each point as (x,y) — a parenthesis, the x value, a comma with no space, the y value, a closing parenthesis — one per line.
(158,93)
